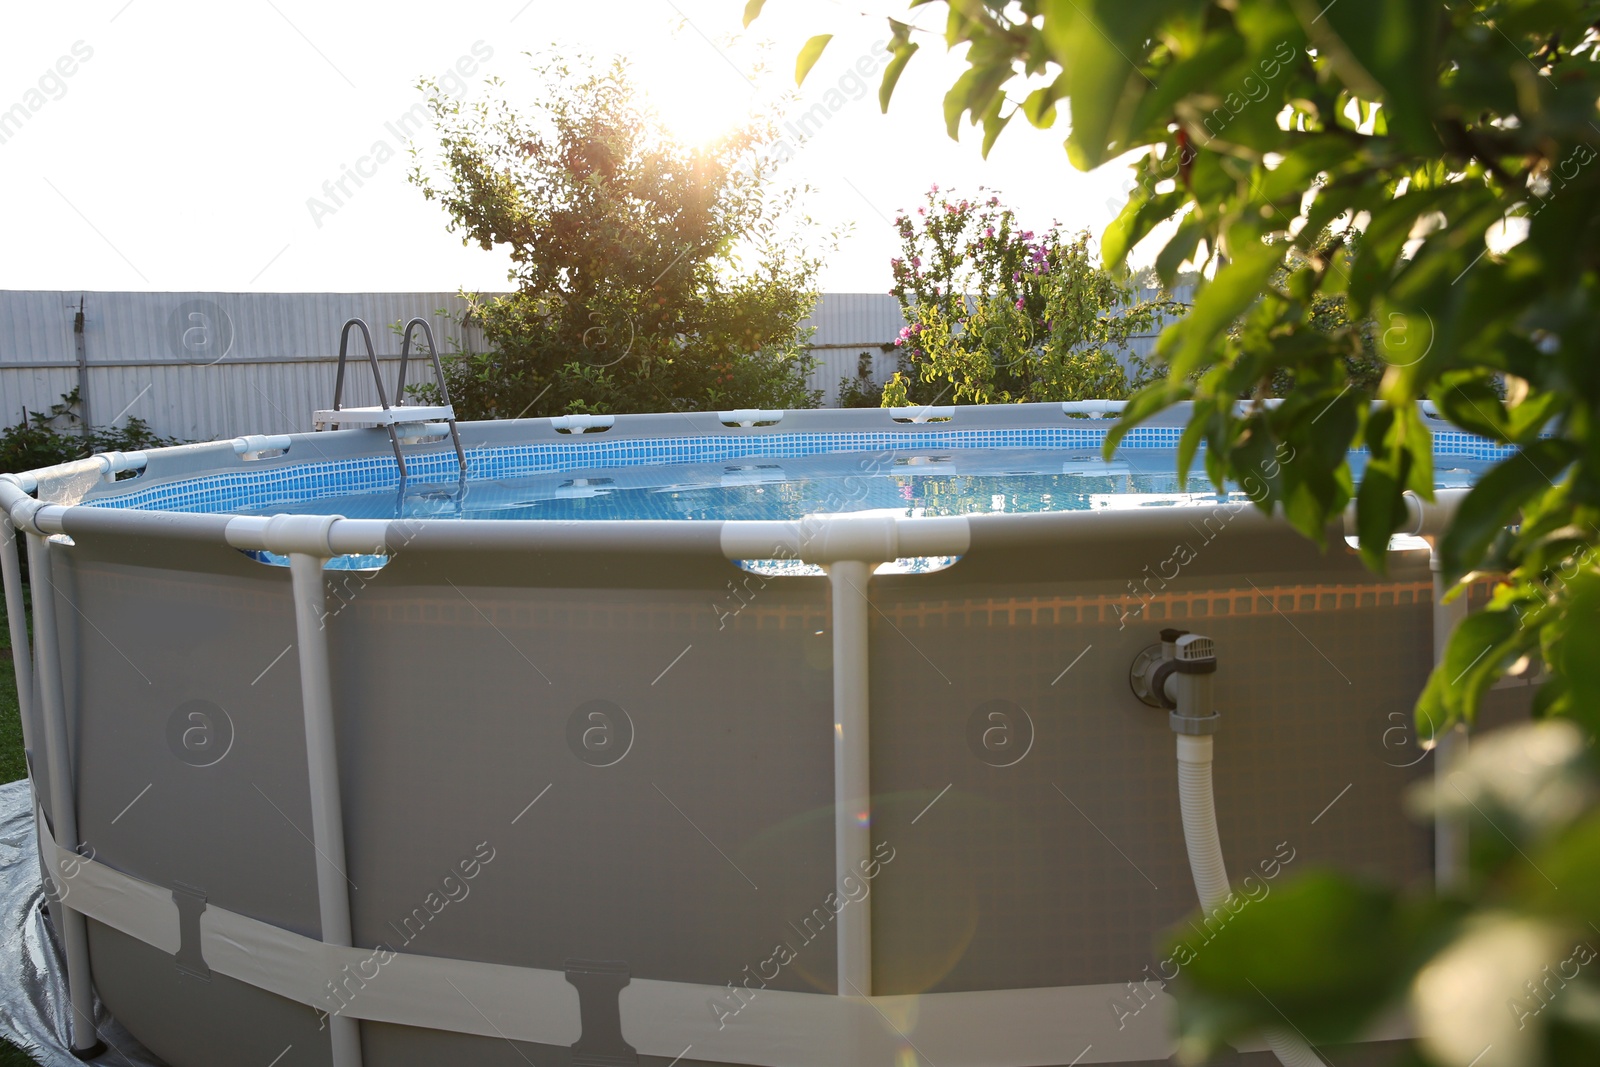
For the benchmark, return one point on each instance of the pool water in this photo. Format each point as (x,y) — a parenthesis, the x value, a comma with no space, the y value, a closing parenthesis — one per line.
(912,483)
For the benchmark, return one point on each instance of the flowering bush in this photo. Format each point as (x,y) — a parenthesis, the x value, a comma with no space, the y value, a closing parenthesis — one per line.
(997,314)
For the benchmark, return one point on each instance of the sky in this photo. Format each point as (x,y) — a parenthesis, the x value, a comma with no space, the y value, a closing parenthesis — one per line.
(162,145)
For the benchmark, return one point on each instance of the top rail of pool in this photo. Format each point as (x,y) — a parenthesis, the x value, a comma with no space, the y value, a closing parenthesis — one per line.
(814,539)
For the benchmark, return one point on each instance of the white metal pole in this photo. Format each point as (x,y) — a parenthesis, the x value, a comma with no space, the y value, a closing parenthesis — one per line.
(852,779)
(322,760)
(16,617)
(1449,831)
(63,791)
(22,662)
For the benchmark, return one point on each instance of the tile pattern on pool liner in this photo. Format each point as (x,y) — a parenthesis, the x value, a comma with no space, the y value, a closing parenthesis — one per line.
(247,489)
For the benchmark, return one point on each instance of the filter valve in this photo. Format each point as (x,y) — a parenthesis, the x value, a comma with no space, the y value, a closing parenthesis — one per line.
(1176,675)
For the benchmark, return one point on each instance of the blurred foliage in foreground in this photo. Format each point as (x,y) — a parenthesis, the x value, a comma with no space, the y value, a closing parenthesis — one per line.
(1502,973)
(1459,140)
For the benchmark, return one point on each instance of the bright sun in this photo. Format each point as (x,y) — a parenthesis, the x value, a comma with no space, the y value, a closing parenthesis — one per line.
(697,101)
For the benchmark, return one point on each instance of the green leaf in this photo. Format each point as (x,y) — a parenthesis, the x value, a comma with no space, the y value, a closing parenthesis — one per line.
(1141,214)
(1040,106)
(1496,499)
(1579,656)
(993,124)
(1189,443)
(1480,648)
(1195,341)
(1470,400)
(1143,404)
(1324,950)
(1181,248)
(1380,502)
(752,11)
(977,90)
(1093,41)
(891,73)
(810,52)
(1419,451)
(1384,239)
(1383,50)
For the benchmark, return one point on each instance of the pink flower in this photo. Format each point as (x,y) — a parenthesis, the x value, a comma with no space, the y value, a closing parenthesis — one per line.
(1019,303)
(916,261)
(988,231)
(922,211)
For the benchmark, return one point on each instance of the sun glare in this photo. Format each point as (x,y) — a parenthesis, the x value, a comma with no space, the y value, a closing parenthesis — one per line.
(698,102)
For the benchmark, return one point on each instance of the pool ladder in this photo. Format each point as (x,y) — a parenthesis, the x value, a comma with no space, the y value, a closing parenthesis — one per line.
(400,415)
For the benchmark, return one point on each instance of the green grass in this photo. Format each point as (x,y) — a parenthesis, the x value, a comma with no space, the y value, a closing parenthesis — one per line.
(12,763)
(12,1056)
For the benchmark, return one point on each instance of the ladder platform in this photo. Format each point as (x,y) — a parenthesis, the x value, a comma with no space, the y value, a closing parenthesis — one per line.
(383,416)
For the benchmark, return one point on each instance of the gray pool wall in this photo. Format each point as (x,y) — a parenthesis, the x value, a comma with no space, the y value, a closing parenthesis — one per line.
(466,672)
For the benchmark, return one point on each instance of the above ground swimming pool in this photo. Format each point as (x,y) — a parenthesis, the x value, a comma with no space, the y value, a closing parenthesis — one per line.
(792,739)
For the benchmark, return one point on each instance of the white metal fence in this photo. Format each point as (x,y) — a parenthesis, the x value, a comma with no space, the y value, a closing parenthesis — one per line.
(200,366)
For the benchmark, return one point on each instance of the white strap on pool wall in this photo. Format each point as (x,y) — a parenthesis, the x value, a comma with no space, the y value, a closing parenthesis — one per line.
(1018,1027)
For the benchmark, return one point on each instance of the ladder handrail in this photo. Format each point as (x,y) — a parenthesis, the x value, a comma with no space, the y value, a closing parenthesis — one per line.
(372,358)
(405,361)
(377,378)
(438,377)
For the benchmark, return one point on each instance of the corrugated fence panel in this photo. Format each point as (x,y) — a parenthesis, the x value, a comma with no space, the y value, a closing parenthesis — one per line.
(208,365)
(848,319)
(847,324)
(36,327)
(33,390)
(206,327)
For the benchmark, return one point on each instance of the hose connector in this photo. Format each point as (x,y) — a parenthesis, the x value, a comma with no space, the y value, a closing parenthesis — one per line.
(1175,675)
(1193,726)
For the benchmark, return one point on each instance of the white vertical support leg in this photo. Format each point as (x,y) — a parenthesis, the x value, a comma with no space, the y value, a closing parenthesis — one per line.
(852,777)
(322,759)
(16,617)
(22,662)
(1449,832)
(63,790)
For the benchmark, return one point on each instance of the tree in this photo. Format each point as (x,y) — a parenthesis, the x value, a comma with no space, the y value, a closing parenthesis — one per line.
(650,275)
(999,314)
(1460,140)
